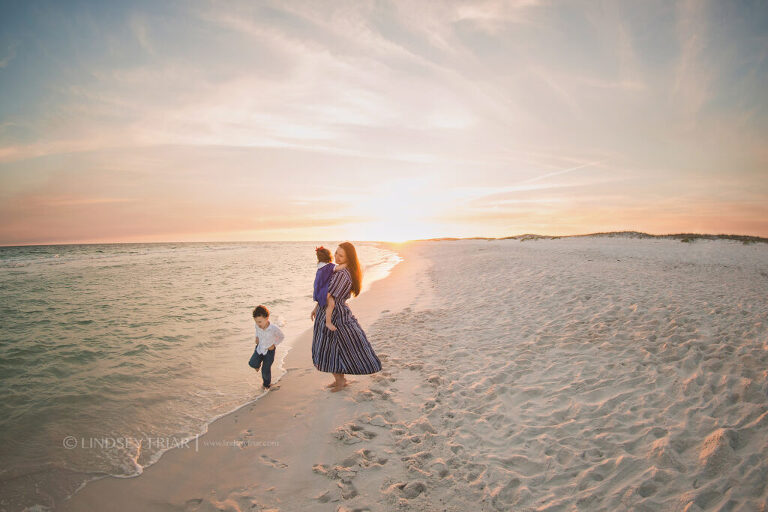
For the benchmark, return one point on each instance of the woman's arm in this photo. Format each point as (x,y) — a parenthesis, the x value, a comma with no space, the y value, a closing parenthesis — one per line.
(329,312)
(314,312)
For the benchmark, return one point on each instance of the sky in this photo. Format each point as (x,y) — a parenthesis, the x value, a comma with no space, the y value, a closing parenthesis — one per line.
(380,120)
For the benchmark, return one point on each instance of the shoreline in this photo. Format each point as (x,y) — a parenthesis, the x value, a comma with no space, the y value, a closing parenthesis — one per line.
(281,405)
(29,484)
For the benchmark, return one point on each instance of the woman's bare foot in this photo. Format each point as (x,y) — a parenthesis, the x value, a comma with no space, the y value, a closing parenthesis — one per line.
(345,383)
(336,382)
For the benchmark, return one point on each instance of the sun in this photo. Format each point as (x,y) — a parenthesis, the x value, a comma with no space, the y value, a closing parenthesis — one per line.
(398,211)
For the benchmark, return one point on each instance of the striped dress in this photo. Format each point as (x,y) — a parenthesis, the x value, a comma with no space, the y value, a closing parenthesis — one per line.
(345,350)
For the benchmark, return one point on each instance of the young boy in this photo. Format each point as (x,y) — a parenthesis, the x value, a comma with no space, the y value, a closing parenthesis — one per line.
(322,278)
(268,336)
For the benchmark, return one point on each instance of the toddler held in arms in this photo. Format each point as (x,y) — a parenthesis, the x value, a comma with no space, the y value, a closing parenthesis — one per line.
(322,279)
(268,336)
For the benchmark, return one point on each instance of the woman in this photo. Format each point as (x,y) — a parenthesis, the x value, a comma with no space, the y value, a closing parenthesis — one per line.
(339,344)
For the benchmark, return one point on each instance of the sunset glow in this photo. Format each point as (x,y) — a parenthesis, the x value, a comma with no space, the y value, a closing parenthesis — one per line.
(124,122)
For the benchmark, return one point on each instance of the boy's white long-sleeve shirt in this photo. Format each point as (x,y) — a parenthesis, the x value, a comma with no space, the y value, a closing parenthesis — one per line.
(272,335)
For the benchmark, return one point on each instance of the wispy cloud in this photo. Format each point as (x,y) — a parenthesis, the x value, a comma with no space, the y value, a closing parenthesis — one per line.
(693,74)
(559,172)
(87,201)
(8,55)
(508,110)
(140,28)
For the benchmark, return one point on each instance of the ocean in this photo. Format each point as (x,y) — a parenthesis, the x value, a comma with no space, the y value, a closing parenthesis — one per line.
(105,348)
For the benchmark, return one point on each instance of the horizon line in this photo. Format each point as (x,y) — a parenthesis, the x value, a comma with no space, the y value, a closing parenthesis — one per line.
(525,236)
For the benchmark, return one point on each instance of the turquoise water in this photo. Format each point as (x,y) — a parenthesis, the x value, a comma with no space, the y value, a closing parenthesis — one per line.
(133,342)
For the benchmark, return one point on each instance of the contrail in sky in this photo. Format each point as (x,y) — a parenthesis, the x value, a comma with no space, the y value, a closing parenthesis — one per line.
(562,171)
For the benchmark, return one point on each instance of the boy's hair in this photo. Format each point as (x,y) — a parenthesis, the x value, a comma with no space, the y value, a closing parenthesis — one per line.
(323,254)
(261,311)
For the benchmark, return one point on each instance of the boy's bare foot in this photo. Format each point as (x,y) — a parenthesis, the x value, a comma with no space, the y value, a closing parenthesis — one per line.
(331,385)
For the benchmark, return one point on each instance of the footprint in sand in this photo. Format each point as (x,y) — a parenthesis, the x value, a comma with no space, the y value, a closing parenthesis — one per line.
(383,379)
(352,433)
(343,472)
(193,504)
(381,394)
(366,459)
(273,462)
(408,490)
(363,396)
(324,497)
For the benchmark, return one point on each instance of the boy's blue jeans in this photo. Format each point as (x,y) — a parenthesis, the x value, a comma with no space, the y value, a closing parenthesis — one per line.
(265,362)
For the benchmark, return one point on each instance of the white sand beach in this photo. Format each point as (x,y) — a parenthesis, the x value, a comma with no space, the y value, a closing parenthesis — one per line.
(600,374)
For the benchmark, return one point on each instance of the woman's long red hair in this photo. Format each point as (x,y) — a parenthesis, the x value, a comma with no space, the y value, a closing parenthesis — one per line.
(353,265)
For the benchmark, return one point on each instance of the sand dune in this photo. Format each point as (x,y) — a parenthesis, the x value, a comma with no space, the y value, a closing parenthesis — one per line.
(555,375)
